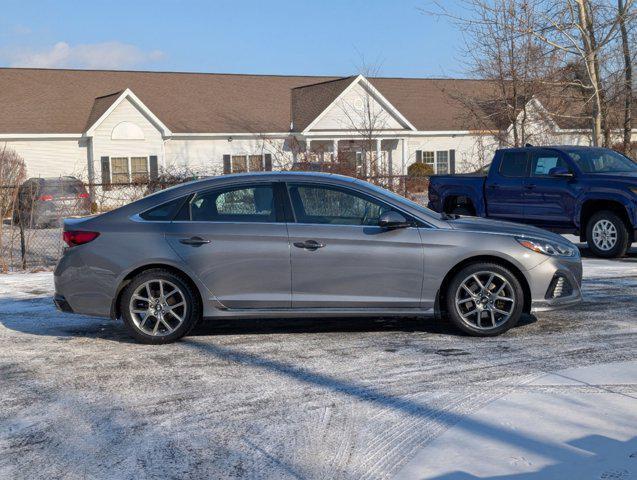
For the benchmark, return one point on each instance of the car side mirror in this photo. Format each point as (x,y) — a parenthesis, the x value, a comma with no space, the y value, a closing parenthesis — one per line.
(560,172)
(393,220)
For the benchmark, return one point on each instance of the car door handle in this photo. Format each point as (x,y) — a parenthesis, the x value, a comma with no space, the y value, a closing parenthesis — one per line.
(530,187)
(494,186)
(309,245)
(194,241)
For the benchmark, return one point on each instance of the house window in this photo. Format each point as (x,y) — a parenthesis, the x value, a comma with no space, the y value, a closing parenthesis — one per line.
(139,169)
(428,158)
(119,170)
(239,163)
(129,169)
(246,163)
(256,163)
(442,162)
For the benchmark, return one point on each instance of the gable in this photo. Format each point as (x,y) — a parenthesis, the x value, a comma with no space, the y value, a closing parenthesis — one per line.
(125,118)
(358,109)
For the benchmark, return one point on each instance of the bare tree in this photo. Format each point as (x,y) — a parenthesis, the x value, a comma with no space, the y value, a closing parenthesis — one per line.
(499,48)
(623,16)
(12,174)
(586,32)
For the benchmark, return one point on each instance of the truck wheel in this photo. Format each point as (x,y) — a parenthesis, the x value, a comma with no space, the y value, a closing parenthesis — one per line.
(463,210)
(607,235)
(484,299)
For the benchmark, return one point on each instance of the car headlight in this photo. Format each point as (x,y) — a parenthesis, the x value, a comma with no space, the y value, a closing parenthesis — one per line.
(553,249)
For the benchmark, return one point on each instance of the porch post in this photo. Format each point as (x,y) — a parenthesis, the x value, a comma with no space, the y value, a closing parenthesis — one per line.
(377,166)
(334,150)
(404,157)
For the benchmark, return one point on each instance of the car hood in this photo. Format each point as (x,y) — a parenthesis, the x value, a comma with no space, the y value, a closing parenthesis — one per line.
(486,225)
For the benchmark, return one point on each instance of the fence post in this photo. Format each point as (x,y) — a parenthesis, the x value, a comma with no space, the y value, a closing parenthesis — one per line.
(23,249)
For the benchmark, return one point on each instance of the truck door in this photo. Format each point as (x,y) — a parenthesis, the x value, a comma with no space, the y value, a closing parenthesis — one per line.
(504,186)
(549,200)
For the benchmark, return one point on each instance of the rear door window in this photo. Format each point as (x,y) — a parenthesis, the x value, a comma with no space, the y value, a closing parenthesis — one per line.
(514,164)
(237,204)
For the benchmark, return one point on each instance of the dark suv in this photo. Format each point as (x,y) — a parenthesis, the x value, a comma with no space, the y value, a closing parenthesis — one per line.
(45,201)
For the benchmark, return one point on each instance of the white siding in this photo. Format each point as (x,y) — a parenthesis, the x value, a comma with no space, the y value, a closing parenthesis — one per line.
(349,112)
(205,156)
(51,158)
(103,145)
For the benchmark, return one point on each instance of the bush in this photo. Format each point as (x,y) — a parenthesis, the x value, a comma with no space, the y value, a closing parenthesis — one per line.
(12,173)
(420,170)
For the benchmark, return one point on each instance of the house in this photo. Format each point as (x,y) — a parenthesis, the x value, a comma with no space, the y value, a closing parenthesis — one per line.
(121,126)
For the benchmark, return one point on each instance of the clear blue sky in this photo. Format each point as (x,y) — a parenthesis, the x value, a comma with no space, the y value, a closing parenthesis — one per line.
(327,37)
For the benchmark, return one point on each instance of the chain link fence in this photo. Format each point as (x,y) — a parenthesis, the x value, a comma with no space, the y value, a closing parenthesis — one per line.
(33,212)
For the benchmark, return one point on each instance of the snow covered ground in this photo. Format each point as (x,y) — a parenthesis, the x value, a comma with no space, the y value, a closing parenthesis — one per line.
(337,398)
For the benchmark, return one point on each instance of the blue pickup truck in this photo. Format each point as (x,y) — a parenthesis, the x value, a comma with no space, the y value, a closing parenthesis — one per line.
(587,191)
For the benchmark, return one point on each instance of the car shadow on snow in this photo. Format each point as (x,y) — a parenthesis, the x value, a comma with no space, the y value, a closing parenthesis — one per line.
(38,316)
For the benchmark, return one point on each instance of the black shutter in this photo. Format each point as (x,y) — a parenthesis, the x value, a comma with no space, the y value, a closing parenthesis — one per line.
(452,161)
(227,168)
(106,172)
(418,156)
(153,167)
(268,162)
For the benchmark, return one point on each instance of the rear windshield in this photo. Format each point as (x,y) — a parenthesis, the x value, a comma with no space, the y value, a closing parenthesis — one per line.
(63,188)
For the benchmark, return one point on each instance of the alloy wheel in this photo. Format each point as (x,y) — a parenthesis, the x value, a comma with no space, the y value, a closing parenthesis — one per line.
(604,235)
(485,300)
(158,307)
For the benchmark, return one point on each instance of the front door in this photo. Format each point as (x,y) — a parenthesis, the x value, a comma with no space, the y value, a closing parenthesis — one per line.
(237,244)
(549,200)
(341,258)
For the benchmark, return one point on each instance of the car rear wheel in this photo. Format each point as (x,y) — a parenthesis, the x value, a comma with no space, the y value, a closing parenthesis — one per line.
(484,299)
(159,306)
(607,235)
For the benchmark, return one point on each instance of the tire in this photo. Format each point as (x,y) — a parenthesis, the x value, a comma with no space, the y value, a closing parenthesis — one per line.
(463,210)
(607,235)
(162,321)
(484,321)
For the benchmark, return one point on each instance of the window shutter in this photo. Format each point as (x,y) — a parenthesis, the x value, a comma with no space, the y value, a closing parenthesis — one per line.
(226,164)
(268,162)
(418,156)
(106,172)
(153,167)
(452,161)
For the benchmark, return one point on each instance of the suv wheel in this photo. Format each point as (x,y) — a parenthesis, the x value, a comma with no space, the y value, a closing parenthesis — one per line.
(484,299)
(159,306)
(607,235)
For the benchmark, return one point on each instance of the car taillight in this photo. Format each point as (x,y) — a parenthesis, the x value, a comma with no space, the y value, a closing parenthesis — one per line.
(45,198)
(82,195)
(74,238)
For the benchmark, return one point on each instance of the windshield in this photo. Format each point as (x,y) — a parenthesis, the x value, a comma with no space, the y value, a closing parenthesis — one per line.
(601,160)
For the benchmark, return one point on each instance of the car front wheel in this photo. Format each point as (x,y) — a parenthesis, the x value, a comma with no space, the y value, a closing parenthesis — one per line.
(484,299)
(159,306)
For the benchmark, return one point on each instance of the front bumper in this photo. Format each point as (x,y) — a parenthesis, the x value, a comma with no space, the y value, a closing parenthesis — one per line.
(556,283)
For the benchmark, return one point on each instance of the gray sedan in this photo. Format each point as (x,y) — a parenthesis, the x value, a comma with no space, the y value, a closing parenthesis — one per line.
(300,245)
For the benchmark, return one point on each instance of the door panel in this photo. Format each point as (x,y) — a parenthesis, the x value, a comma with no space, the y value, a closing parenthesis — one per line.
(358,267)
(504,192)
(549,201)
(236,248)
(341,258)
